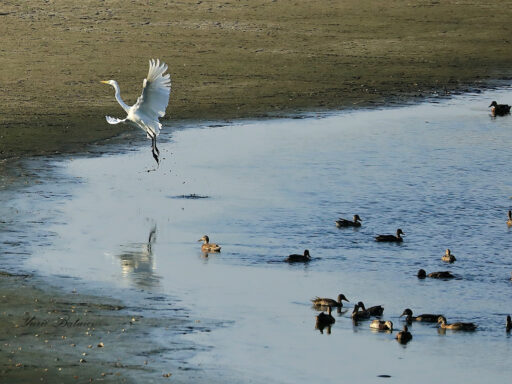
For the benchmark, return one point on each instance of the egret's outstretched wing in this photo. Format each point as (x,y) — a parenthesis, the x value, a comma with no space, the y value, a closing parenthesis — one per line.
(113,120)
(155,93)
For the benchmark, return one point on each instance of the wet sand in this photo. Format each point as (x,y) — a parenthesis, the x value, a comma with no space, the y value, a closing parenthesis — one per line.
(51,336)
(233,59)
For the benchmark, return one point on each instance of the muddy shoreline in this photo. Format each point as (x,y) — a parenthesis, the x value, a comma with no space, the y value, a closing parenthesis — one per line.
(51,335)
(233,60)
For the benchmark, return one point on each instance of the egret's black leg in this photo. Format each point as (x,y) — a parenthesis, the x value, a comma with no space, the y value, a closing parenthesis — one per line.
(155,156)
(154,150)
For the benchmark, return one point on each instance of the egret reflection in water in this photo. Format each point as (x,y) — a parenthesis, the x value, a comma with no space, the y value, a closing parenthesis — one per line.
(137,262)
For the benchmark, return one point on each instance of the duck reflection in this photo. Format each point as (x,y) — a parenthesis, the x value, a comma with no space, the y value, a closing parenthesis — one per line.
(137,263)
(339,310)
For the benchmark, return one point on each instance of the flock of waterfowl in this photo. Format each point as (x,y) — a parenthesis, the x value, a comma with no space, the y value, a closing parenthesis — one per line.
(360,312)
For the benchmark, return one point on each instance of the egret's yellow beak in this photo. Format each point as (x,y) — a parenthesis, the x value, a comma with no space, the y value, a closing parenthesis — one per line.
(104,82)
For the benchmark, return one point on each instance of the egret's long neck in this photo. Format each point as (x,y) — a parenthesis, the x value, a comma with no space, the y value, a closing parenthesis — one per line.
(118,97)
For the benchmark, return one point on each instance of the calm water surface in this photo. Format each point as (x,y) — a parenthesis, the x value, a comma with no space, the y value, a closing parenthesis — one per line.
(440,171)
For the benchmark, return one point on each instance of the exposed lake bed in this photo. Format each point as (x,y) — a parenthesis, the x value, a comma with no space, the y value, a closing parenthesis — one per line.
(50,335)
(233,60)
(438,170)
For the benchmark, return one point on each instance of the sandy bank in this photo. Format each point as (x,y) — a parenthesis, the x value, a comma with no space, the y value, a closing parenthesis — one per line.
(232,59)
(55,337)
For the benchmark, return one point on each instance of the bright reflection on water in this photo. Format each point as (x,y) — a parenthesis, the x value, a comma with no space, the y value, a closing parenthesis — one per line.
(438,171)
(137,262)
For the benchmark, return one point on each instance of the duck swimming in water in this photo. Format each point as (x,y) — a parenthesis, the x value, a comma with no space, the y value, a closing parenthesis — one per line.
(441,275)
(326,302)
(381,325)
(499,109)
(508,324)
(509,221)
(455,326)
(425,318)
(404,336)
(299,258)
(207,246)
(448,257)
(341,223)
(376,310)
(323,320)
(391,238)
(435,275)
(359,314)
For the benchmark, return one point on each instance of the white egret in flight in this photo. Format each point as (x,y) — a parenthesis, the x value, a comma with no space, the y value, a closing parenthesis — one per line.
(151,105)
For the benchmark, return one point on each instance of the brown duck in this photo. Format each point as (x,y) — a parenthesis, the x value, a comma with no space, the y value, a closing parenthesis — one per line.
(448,257)
(299,258)
(323,320)
(342,223)
(426,317)
(391,238)
(499,109)
(435,275)
(404,336)
(455,326)
(359,314)
(325,302)
(207,246)
(376,310)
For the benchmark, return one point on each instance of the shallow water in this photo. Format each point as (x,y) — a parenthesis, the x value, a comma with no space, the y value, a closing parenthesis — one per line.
(439,170)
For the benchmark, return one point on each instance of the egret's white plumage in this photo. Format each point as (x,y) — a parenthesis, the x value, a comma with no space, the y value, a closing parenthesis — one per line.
(151,104)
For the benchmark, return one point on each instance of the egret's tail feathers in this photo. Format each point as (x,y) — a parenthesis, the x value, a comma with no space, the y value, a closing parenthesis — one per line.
(113,120)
